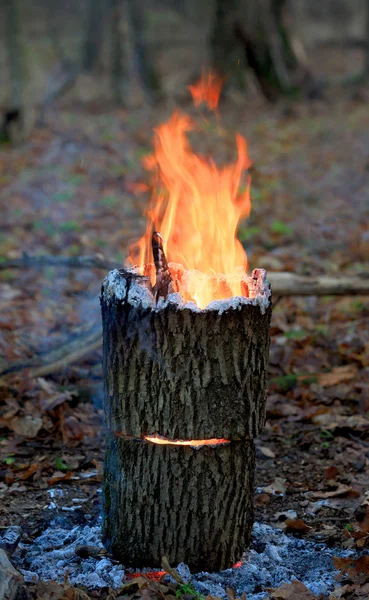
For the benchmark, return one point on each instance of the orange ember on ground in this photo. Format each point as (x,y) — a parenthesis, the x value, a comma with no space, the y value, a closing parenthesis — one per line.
(196,207)
(194,443)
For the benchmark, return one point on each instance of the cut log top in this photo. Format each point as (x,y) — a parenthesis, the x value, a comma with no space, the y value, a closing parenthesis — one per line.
(174,370)
(128,286)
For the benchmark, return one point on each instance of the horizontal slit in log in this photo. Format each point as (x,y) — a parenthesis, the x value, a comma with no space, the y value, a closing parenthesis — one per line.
(154,439)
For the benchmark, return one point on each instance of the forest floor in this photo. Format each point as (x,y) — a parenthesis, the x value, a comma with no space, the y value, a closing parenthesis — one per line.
(75,189)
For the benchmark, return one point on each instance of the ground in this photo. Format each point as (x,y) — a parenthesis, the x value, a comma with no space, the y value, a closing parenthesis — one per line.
(75,188)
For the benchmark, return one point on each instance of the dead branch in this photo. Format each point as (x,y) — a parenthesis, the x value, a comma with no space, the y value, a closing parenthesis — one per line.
(283,284)
(85,339)
(75,262)
(58,358)
(289,284)
(58,365)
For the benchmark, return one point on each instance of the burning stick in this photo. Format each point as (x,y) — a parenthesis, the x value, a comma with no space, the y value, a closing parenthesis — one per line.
(164,280)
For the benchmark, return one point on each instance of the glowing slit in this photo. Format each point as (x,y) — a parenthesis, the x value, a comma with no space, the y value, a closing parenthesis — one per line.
(195,443)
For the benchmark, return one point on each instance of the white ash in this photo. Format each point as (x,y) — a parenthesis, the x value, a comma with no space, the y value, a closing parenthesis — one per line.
(52,556)
(114,285)
(274,558)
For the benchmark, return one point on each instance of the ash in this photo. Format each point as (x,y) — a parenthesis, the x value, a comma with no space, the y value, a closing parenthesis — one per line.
(136,294)
(273,558)
(52,556)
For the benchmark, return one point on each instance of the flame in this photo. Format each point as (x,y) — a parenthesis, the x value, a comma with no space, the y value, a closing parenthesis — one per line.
(207,90)
(194,443)
(196,207)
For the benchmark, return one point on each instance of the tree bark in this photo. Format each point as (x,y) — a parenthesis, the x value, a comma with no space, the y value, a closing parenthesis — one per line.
(190,505)
(184,374)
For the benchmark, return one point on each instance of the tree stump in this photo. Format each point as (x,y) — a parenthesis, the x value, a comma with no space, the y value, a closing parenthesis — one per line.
(185,393)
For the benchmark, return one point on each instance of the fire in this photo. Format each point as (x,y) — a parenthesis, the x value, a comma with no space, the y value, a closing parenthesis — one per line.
(207,90)
(196,207)
(194,443)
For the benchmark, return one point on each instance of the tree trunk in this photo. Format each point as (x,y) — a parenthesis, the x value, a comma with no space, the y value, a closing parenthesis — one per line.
(12,124)
(144,62)
(258,30)
(14,54)
(94,34)
(116,52)
(182,374)
(192,505)
(366,69)
(225,50)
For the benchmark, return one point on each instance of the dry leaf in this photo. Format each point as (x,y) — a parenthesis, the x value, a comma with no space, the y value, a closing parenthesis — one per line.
(26,426)
(291,591)
(352,567)
(342,491)
(266,451)
(296,525)
(338,375)
(331,472)
(262,499)
(277,487)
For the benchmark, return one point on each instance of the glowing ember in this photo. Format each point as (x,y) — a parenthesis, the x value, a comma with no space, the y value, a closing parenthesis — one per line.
(194,443)
(196,206)
(237,565)
(207,90)
(151,575)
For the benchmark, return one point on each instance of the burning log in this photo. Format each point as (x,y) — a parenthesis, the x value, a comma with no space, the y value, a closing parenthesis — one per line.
(185,392)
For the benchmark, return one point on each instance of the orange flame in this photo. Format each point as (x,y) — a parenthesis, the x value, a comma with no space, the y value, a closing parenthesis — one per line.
(194,443)
(207,90)
(196,207)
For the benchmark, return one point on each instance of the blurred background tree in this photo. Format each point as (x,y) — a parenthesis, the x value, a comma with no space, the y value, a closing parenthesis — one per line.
(138,51)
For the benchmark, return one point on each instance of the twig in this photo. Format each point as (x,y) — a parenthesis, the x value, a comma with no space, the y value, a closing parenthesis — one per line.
(53,367)
(49,367)
(163,276)
(58,354)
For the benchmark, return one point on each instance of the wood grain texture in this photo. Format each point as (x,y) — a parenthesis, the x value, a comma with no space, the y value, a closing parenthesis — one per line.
(191,505)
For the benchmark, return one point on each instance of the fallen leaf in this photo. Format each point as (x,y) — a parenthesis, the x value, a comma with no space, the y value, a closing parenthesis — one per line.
(296,525)
(29,472)
(26,426)
(266,451)
(59,477)
(342,491)
(353,567)
(331,472)
(338,375)
(262,499)
(55,591)
(277,487)
(291,591)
